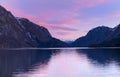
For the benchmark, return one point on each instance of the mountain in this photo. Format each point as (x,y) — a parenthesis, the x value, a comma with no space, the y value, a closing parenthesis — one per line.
(111,43)
(115,33)
(18,32)
(94,36)
(112,40)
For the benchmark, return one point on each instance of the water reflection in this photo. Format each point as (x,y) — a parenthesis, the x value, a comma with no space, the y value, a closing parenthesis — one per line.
(64,64)
(60,63)
(102,56)
(16,61)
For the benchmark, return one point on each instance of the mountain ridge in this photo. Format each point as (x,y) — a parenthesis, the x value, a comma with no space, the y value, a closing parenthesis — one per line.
(20,32)
(112,40)
(98,36)
(94,36)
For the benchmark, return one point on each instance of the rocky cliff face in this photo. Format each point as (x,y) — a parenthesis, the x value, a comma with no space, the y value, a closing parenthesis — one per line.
(20,32)
(11,33)
(94,36)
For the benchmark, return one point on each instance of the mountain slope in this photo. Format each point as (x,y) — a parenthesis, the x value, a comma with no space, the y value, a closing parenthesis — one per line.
(94,36)
(111,43)
(40,34)
(20,32)
(11,33)
(112,40)
(115,33)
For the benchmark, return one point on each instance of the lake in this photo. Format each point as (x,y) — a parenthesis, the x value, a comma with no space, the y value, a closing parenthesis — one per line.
(69,62)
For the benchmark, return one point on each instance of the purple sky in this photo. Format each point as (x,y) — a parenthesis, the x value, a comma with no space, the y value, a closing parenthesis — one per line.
(67,19)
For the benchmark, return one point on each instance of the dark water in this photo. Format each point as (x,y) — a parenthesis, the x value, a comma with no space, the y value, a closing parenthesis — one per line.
(60,63)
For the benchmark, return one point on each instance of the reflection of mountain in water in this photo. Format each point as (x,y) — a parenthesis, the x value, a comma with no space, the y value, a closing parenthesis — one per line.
(16,61)
(103,57)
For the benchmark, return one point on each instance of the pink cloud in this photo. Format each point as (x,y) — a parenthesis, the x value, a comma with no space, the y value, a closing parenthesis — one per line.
(55,12)
(63,33)
(18,12)
(90,3)
(66,14)
(62,28)
(82,4)
(55,15)
(114,14)
(63,20)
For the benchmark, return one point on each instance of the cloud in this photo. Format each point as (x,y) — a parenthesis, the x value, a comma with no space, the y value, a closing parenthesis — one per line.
(51,11)
(63,18)
(18,12)
(62,28)
(90,3)
(114,14)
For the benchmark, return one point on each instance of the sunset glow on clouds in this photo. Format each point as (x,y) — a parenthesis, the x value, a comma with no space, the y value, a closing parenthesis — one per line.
(67,19)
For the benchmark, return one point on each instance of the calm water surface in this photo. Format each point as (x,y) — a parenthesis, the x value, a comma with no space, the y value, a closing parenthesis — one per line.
(60,63)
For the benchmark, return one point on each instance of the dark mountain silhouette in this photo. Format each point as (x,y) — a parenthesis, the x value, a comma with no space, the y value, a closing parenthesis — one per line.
(94,36)
(100,37)
(20,32)
(40,34)
(115,33)
(112,43)
(112,40)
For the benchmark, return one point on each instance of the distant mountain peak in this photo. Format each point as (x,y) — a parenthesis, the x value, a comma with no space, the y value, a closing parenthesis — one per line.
(99,30)
(101,27)
(94,36)
(112,39)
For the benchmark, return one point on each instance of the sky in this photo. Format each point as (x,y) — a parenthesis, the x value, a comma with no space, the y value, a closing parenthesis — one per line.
(67,19)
